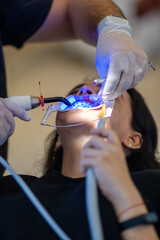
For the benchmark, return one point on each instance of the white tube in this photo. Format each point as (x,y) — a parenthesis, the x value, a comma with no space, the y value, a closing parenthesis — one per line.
(92,205)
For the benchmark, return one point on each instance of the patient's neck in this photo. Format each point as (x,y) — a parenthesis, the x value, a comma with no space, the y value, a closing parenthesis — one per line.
(72,154)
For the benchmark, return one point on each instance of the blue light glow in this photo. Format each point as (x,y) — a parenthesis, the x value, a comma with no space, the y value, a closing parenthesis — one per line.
(82,101)
(63,106)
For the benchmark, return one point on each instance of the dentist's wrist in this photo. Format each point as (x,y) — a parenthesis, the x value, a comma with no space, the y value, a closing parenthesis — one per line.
(114,23)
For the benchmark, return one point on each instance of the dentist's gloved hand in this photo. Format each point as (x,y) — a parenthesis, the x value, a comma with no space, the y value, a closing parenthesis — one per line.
(8,110)
(120,60)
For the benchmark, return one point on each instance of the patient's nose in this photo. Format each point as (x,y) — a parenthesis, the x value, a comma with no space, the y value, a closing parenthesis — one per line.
(85,90)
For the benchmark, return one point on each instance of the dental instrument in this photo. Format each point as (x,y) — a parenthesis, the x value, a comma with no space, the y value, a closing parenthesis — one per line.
(93,214)
(151,65)
(101,80)
(31,102)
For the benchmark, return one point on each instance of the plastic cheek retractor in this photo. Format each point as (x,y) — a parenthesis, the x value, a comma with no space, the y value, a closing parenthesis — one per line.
(85,102)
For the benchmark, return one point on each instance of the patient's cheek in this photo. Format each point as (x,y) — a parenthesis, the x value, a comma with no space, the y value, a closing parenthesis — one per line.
(59,118)
(116,123)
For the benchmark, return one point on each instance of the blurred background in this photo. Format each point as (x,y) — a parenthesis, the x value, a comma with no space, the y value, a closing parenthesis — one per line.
(60,66)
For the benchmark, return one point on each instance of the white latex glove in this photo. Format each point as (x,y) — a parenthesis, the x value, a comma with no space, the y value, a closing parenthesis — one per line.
(8,110)
(121,61)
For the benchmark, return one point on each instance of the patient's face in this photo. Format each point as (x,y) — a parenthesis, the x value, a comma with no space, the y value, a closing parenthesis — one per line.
(120,120)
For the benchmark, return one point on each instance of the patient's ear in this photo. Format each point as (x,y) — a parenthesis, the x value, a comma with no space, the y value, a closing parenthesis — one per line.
(133,140)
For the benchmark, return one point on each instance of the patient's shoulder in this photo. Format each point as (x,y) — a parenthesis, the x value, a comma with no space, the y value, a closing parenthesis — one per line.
(144,175)
(148,181)
(9,185)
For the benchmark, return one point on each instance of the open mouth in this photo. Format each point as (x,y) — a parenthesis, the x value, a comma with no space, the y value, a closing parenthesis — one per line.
(85,102)
(82,102)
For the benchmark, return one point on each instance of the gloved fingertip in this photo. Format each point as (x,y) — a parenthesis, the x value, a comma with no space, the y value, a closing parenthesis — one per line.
(105,98)
(105,94)
(27,116)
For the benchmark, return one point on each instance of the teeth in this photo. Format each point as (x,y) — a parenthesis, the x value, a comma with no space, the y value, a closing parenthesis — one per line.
(81,105)
(99,80)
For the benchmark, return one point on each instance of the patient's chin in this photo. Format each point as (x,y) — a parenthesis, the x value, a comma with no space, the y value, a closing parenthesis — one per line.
(76,117)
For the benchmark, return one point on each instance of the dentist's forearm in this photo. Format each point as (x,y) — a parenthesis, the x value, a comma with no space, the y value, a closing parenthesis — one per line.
(86,15)
(75,19)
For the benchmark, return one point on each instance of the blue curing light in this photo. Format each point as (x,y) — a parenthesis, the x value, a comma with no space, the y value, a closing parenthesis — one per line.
(63,106)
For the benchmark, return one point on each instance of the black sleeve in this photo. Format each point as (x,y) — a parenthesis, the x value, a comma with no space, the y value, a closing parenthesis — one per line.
(20,19)
(148,183)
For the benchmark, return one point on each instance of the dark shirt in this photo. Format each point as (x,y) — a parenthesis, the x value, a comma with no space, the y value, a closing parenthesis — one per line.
(64,198)
(19,20)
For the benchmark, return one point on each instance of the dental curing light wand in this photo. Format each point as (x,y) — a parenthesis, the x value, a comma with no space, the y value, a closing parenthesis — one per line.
(93,214)
(30,102)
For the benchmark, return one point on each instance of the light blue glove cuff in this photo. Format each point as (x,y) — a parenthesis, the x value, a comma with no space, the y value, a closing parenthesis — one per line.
(114,23)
